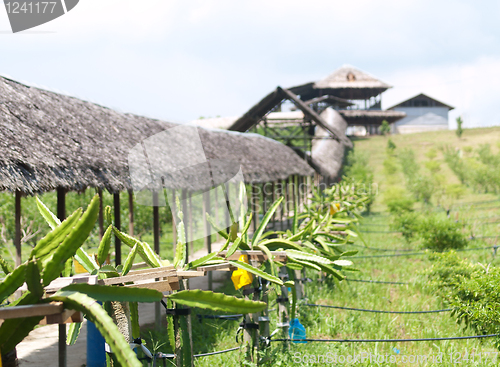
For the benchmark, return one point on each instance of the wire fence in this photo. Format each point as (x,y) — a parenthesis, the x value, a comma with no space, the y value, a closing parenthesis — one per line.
(377,311)
(387,340)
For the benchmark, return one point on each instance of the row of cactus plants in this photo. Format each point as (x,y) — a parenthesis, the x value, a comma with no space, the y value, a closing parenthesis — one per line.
(313,242)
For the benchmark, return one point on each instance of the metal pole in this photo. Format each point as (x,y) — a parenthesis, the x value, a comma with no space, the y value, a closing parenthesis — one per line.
(184,213)
(118,243)
(61,214)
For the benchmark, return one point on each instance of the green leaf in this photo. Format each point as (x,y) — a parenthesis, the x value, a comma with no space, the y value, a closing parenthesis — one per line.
(180,249)
(54,238)
(104,246)
(86,260)
(343,262)
(265,221)
(216,302)
(51,219)
(304,263)
(33,279)
(349,253)
(120,294)
(304,256)
(170,325)
(71,244)
(222,233)
(129,260)
(73,332)
(134,319)
(255,271)
(144,249)
(7,269)
(203,260)
(276,243)
(294,266)
(104,323)
(12,281)
(266,251)
(328,269)
(233,247)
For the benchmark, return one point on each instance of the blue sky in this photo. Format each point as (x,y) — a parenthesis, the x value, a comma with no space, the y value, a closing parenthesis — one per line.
(178,60)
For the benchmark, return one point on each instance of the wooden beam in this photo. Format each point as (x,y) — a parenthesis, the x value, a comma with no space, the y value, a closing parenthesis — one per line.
(131,213)
(118,243)
(17,238)
(208,230)
(101,213)
(61,214)
(156,223)
(16,312)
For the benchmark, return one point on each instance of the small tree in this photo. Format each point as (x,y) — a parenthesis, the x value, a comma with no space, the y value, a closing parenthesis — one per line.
(459,131)
(385,128)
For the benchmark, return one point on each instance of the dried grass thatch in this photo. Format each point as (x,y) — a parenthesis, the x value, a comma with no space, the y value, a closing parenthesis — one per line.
(49,141)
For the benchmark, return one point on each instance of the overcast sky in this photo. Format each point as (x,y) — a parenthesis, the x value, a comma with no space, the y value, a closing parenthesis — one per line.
(179,60)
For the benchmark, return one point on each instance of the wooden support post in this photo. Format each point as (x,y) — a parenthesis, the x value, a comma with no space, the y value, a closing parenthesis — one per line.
(118,243)
(273,198)
(282,206)
(131,213)
(184,213)
(191,229)
(227,208)
(208,231)
(255,213)
(17,238)
(156,240)
(264,318)
(287,197)
(249,335)
(173,207)
(101,213)
(216,208)
(61,215)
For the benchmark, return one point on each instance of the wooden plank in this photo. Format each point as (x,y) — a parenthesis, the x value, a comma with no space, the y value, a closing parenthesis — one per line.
(66,317)
(190,274)
(256,255)
(162,285)
(151,270)
(16,312)
(138,277)
(59,283)
(217,267)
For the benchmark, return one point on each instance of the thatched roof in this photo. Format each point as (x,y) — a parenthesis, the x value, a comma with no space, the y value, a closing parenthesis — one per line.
(346,82)
(49,140)
(370,117)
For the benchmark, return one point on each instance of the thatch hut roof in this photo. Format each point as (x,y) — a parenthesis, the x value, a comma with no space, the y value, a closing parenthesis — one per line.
(49,141)
(371,117)
(346,82)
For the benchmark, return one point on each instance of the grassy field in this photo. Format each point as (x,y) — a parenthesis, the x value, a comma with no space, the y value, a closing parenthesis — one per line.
(323,323)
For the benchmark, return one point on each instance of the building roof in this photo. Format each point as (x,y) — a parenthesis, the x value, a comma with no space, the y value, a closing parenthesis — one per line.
(347,82)
(429,119)
(421,100)
(49,141)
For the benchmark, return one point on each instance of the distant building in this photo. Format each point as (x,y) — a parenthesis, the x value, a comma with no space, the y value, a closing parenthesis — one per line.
(423,113)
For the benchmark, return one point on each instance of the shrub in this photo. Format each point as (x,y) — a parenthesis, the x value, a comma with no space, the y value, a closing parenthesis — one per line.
(391,147)
(385,128)
(397,201)
(390,166)
(433,166)
(455,191)
(431,154)
(408,163)
(439,233)
(357,167)
(406,222)
(471,289)
(459,130)
(422,188)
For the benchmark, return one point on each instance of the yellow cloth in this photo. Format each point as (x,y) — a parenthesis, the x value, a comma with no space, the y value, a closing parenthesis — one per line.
(241,277)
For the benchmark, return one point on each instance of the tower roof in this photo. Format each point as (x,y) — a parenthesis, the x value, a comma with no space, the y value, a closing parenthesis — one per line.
(421,100)
(346,82)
